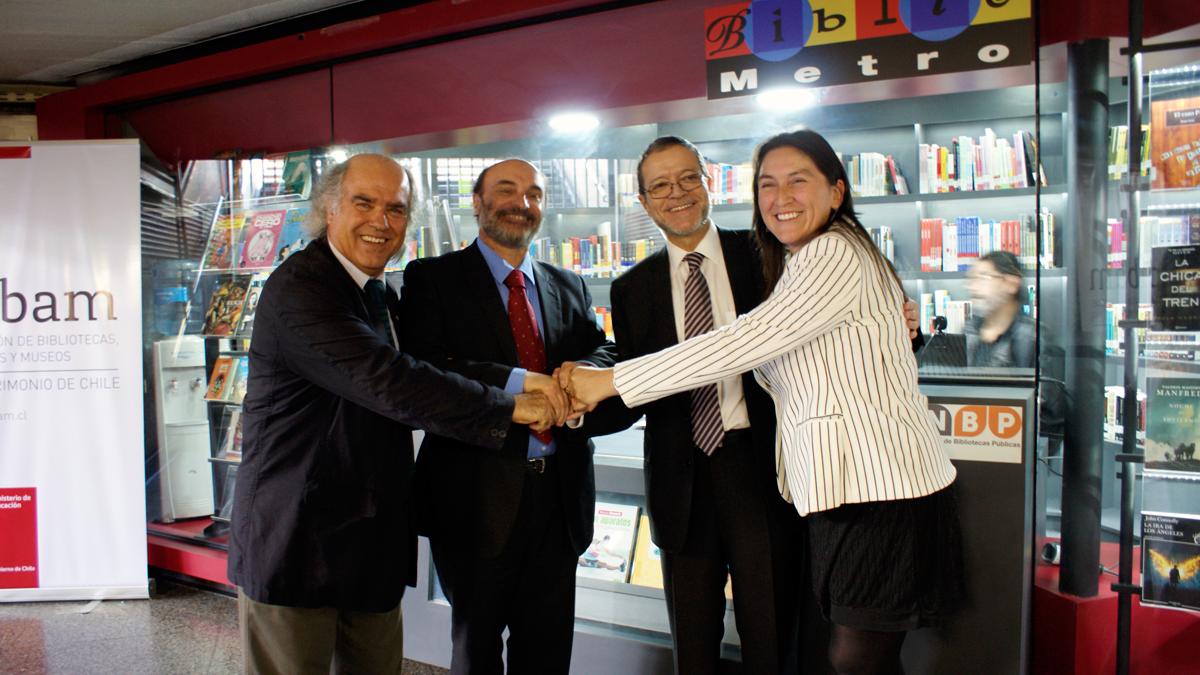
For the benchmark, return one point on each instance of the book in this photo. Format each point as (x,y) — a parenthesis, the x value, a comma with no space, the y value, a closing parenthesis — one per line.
(1173,424)
(245,324)
(225,306)
(261,238)
(1175,142)
(608,556)
(292,236)
(647,558)
(218,382)
(241,376)
(231,443)
(222,250)
(1175,288)
(1171,560)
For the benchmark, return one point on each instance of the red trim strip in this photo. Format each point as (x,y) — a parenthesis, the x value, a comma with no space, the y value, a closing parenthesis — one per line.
(16,152)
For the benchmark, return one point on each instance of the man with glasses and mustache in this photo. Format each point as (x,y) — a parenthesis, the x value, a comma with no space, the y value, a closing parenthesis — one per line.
(505,527)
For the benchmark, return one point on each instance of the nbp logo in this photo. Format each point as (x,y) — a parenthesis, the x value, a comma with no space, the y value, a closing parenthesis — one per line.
(973,420)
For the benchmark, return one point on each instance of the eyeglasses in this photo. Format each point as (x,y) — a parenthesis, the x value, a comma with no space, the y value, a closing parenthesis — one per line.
(660,189)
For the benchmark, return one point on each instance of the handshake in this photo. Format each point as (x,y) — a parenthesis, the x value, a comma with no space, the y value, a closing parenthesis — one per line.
(563,397)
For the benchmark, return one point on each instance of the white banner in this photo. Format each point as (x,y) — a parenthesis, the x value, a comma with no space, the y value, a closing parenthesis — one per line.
(72,491)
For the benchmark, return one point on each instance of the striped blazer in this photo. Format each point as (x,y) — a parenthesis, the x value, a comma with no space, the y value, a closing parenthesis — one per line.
(831,347)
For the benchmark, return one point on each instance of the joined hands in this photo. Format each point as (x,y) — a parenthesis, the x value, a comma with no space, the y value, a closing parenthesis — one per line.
(563,397)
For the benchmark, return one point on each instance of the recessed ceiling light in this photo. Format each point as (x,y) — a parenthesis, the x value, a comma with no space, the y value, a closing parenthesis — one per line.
(574,122)
(338,155)
(791,98)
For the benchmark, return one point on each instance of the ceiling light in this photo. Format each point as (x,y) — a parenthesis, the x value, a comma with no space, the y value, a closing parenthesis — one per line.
(574,122)
(338,155)
(791,98)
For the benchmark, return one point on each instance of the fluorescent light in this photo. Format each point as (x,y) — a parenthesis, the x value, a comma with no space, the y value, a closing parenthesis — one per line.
(338,155)
(791,98)
(574,122)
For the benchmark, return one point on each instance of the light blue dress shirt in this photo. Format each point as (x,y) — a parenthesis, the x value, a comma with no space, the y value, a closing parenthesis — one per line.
(500,270)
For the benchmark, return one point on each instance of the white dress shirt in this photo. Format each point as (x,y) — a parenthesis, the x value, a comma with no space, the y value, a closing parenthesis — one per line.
(831,347)
(361,278)
(729,390)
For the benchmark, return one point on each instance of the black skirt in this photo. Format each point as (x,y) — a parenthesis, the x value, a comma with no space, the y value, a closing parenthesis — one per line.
(888,566)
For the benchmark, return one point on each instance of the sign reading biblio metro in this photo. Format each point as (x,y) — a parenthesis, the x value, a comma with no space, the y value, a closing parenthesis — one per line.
(72,483)
(761,44)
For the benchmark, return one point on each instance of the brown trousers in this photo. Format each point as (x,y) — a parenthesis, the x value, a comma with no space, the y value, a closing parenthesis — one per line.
(278,640)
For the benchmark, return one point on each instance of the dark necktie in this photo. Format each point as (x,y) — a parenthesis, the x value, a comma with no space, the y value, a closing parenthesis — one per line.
(377,308)
(531,352)
(707,428)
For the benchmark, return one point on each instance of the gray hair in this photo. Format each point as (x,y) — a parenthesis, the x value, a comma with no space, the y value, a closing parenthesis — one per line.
(328,192)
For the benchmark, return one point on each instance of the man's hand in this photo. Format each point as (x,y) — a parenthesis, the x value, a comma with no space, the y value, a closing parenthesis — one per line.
(911,318)
(548,386)
(535,410)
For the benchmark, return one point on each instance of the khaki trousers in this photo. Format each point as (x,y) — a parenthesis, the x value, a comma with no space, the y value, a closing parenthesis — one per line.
(278,640)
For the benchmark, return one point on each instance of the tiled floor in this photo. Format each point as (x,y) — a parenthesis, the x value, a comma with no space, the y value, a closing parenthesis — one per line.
(179,630)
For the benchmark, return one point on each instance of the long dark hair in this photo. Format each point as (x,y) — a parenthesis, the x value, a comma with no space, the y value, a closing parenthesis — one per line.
(843,217)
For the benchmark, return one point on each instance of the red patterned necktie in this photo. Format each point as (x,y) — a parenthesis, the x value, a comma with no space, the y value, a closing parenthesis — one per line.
(707,428)
(531,351)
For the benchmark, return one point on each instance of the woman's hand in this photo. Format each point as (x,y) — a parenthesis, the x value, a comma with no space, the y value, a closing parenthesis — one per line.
(586,385)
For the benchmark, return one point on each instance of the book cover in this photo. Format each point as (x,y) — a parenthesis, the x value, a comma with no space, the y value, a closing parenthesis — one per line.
(1173,424)
(250,306)
(292,236)
(1171,560)
(222,250)
(231,443)
(241,375)
(261,238)
(1175,287)
(218,383)
(608,556)
(1175,142)
(647,558)
(225,306)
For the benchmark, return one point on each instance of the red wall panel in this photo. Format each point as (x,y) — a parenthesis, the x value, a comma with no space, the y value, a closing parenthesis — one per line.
(638,55)
(287,113)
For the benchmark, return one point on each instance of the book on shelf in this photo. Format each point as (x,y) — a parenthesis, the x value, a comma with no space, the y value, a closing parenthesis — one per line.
(223,249)
(260,236)
(647,558)
(1171,560)
(1175,287)
(882,236)
(609,555)
(1172,424)
(219,381)
(1114,414)
(952,244)
(231,441)
(1175,142)
(236,391)
(296,176)
(1153,231)
(245,324)
(1118,151)
(873,174)
(292,236)
(939,303)
(225,306)
(986,162)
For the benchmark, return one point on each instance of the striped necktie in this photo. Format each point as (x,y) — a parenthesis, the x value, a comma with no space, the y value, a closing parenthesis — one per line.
(707,428)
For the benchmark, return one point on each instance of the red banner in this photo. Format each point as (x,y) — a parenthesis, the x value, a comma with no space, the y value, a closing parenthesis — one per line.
(15,152)
(18,531)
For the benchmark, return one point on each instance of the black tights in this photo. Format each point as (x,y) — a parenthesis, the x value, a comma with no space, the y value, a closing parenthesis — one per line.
(854,651)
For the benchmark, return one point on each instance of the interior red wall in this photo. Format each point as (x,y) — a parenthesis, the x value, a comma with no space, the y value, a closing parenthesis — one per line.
(639,55)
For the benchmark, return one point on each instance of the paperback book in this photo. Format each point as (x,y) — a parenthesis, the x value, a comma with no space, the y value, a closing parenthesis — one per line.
(1172,425)
(609,555)
(225,306)
(1171,560)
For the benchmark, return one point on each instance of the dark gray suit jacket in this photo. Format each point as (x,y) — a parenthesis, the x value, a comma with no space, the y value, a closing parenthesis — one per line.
(322,512)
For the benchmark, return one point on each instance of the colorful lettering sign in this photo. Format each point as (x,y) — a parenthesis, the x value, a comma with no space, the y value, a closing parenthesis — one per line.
(761,44)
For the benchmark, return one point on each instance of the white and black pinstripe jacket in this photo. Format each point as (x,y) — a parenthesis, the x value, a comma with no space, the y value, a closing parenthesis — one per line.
(831,347)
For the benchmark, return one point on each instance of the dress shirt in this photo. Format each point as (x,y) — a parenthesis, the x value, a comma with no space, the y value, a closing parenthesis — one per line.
(500,269)
(360,279)
(729,390)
